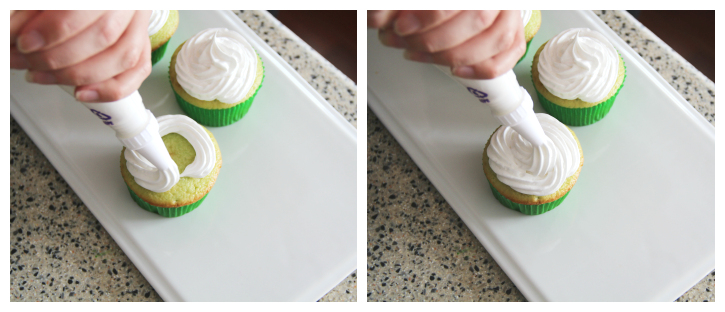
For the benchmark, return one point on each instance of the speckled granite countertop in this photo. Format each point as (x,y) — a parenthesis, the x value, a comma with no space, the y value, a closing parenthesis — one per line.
(60,252)
(402,242)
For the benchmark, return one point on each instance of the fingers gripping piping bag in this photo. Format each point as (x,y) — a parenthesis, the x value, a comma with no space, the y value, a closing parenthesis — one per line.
(137,129)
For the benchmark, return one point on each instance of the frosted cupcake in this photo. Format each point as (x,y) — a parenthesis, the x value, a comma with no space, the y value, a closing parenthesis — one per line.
(533,180)
(577,76)
(215,76)
(181,189)
(532,23)
(162,25)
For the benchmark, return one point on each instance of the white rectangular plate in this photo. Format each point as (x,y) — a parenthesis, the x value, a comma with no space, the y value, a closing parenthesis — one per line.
(639,224)
(279,225)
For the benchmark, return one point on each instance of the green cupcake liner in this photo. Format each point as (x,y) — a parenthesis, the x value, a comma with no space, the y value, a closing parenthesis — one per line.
(580,116)
(527,209)
(166,212)
(527,51)
(157,54)
(217,117)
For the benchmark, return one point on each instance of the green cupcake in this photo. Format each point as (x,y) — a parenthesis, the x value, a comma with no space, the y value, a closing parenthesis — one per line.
(162,26)
(531,28)
(582,111)
(217,110)
(527,203)
(188,193)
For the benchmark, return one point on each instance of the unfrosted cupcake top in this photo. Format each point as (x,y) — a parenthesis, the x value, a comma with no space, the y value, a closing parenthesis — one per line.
(533,170)
(157,20)
(150,178)
(217,64)
(579,63)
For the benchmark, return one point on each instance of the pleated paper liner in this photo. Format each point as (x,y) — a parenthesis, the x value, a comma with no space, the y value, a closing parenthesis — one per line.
(527,209)
(579,116)
(166,212)
(157,54)
(527,51)
(218,117)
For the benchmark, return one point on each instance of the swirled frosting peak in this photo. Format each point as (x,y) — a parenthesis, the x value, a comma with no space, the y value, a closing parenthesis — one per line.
(146,174)
(525,16)
(157,20)
(217,64)
(579,63)
(533,170)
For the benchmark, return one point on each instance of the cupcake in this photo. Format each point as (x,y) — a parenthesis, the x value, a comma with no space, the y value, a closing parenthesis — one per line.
(532,23)
(577,76)
(533,180)
(174,192)
(162,26)
(215,76)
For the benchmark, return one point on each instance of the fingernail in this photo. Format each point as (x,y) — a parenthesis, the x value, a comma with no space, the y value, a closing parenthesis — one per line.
(40,77)
(392,40)
(464,71)
(87,95)
(418,56)
(406,24)
(30,42)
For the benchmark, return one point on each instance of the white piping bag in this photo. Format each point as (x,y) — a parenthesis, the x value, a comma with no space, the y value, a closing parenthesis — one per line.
(135,126)
(509,103)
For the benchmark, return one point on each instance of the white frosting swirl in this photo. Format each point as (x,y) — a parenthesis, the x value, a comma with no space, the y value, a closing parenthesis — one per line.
(533,170)
(525,16)
(157,20)
(146,174)
(217,64)
(579,63)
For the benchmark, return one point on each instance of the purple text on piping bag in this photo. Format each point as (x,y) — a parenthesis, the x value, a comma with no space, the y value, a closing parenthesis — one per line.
(482,96)
(105,118)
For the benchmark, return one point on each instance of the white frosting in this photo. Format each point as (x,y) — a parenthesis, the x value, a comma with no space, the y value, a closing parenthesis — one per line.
(525,16)
(533,170)
(157,21)
(217,64)
(579,63)
(146,174)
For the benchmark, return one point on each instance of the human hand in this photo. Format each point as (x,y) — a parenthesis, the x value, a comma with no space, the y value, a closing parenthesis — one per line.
(475,44)
(106,54)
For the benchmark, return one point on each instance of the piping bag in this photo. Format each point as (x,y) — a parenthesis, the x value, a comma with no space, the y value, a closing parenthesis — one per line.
(137,129)
(510,103)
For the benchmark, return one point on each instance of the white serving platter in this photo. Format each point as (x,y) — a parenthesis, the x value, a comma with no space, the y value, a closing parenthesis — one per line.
(280,223)
(639,224)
